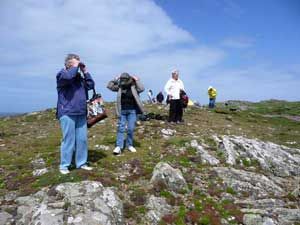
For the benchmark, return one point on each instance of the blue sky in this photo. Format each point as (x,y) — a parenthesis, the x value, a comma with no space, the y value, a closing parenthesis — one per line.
(248,50)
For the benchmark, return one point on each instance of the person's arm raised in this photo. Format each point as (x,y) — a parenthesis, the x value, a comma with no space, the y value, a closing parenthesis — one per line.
(139,86)
(66,76)
(113,85)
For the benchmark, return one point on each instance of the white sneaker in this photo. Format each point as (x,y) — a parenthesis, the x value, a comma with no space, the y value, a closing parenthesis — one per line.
(85,167)
(64,171)
(117,150)
(131,149)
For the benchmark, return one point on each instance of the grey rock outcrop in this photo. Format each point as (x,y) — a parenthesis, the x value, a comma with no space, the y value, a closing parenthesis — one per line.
(39,167)
(157,207)
(167,133)
(287,216)
(205,156)
(87,202)
(252,184)
(256,219)
(172,179)
(276,159)
(6,218)
(264,204)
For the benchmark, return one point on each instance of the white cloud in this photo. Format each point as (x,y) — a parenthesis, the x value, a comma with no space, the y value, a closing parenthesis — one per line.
(111,36)
(97,29)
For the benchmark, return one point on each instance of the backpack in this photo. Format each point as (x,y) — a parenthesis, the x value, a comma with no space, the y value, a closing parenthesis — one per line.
(184,99)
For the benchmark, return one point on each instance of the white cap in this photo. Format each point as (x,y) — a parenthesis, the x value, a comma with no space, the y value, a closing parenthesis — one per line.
(210,87)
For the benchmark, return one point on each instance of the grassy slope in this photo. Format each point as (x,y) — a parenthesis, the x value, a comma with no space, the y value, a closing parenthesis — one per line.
(33,136)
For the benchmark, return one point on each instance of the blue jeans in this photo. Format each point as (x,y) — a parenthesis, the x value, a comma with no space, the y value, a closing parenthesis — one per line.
(212,102)
(127,117)
(74,131)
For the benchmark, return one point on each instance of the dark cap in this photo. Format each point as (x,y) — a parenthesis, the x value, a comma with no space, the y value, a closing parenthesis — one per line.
(125,75)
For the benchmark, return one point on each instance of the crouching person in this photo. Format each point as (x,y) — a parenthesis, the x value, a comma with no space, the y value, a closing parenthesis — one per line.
(72,90)
(127,107)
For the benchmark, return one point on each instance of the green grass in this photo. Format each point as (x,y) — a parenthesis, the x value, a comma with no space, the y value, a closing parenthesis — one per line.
(19,134)
(230,190)
(276,107)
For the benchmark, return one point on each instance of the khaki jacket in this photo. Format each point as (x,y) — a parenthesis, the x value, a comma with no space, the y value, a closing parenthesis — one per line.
(136,89)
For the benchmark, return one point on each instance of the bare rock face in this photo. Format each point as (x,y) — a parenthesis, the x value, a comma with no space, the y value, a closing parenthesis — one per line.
(39,167)
(166,175)
(5,218)
(87,202)
(253,184)
(276,159)
(288,216)
(260,198)
(255,219)
(205,156)
(167,133)
(157,207)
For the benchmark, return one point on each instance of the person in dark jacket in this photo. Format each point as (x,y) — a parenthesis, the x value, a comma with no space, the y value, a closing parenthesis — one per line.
(160,97)
(127,107)
(72,90)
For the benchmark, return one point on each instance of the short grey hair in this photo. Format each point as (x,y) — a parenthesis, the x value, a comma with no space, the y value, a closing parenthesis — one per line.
(69,57)
(175,71)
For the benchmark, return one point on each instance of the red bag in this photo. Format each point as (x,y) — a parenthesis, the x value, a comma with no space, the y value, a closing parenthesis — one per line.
(184,99)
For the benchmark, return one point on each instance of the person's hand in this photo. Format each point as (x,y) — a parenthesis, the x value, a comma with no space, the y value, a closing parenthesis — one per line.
(135,78)
(82,67)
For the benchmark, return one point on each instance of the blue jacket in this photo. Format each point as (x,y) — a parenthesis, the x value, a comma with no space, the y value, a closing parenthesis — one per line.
(72,92)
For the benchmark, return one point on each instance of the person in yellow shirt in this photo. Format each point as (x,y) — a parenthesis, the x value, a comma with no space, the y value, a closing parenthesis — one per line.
(212,93)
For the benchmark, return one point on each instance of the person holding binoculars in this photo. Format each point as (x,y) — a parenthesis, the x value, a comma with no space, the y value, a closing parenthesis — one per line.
(72,88)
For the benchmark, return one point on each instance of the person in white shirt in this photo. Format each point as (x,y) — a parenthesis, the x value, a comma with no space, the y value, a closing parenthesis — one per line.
(173,88)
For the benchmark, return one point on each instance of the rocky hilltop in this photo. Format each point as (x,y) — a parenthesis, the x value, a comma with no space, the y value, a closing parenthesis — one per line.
(237,164)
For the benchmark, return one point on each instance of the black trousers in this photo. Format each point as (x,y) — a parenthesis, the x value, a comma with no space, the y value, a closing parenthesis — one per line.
(176,111)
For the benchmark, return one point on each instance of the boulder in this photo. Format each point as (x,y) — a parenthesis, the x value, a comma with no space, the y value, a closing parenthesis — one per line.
(166,133)
(157,208)
(87,202)
(39,167)
(172,179)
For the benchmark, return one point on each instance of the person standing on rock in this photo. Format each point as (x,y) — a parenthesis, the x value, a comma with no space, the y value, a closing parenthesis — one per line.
(127,107)
(212,93)
(72,87)
(173,88)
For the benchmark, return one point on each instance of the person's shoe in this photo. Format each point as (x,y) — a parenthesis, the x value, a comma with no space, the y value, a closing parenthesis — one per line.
(64,171)
(86,167)
(131,149)
(117,150)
